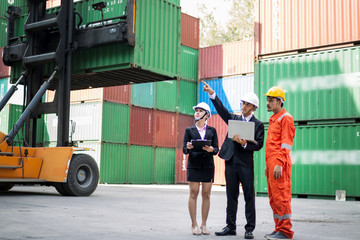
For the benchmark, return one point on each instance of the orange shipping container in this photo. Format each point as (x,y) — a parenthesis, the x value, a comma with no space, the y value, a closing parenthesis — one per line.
(4,70)
(287,25)
(211,62)
(164,129)
(141,126)
(180,166)
(238,58)
(189,31)
(219,178)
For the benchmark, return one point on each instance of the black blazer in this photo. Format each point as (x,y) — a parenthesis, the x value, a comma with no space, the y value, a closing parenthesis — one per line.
(231,149)
(200,159)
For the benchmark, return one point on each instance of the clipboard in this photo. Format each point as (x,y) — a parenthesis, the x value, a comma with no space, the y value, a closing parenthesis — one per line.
(245,130)
(199,144)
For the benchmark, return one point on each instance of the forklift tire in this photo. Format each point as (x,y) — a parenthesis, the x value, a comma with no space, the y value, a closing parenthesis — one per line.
(83,176)
(4,187)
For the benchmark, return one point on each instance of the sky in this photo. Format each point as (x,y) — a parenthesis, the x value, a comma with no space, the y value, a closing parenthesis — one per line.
(222,7)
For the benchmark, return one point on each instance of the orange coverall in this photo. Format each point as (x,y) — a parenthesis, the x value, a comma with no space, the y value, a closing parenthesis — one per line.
(277,152)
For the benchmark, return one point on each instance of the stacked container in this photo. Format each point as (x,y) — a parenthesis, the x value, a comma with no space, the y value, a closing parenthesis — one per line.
(317,63)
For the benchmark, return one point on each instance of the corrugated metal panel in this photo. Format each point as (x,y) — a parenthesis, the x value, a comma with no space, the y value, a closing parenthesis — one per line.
(220,126)
(4,70)
(167,95)
(219,177)
(96,149)
(164,129)
(183,122)
(190,31)
(320,86)
(4,84)
(17,98)
(180,166)
(325,159)
(187,97)
(114,163)
(141,164)
(143,95)
(52,3)
(189,63)
(115,123)
(229,90)
(4,4)
(238,58)
(3,32)
(92,94)
(141,126)
(118,94)
(164,169)
(211,62)
(282,25)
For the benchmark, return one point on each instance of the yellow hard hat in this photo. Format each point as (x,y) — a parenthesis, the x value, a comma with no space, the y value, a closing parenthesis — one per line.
(276,92)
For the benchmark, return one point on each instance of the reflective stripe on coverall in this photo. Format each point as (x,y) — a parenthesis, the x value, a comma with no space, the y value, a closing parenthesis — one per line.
(279,142)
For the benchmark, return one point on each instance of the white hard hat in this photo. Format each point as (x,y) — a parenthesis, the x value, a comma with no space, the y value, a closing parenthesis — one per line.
(251,98)
(203,106)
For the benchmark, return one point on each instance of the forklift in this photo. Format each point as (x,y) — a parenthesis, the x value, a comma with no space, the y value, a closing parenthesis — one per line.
(52,38)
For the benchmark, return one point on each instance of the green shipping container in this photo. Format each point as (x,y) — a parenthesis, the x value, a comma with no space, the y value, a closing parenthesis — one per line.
(164,165)
(189,63)
(3,32)
(10,114)
(325,159)
(319,85)
(113,163)
(167,96)
(188,97)
(141,164)
(154,57)
(143,95)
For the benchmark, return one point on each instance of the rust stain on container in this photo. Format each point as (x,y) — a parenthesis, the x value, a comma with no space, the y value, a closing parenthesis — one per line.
(190,31)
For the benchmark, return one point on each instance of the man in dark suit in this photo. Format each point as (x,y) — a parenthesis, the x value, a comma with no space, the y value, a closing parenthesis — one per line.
(239,162)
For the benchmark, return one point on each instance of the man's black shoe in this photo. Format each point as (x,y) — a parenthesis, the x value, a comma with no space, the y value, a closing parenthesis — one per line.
(248,235)
(226,231)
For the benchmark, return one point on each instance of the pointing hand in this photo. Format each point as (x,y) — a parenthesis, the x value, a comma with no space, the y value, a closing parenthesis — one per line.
(207,88)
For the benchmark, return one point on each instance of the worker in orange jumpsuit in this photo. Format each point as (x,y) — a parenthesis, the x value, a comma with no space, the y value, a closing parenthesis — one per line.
(278,145)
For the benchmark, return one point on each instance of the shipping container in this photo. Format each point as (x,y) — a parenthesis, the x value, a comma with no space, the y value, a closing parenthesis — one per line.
(238,58)
(154,57)
(325,159)
(118,94)
(17,98)
(219,178)
(211,62)
(164,168)
(189,63)
(95,121)
(4,70)
(221,127)
(10,114)
(188,97)
(143,95)
(229,90)
(165,133)
(319,86)
(190,33)
(141,164)
(141,126)
(180,166)
(3,33)
(114,163)
(288,25)
(167,95)
(183,122)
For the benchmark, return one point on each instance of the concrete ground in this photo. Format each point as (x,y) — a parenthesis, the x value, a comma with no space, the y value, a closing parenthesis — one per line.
(156,212)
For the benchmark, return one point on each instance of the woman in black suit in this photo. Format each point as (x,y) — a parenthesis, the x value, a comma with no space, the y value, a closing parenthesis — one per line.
(200,167)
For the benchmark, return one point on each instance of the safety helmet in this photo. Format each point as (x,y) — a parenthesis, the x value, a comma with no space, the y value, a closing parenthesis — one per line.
(205,107)
(276,92)
(251,98)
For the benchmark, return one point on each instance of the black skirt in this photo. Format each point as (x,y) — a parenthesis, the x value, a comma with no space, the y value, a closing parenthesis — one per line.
(200,174)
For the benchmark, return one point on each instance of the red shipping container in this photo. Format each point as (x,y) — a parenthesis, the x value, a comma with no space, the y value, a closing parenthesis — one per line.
(118,94)
(211,62)
(183,122)
(164,129)
(220,126)
(180,166)
(219,177)
(190,31)
(4,70)
(141,126)
(238,58)
(288,25)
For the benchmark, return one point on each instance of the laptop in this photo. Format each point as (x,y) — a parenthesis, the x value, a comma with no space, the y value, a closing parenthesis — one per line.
(244,129)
